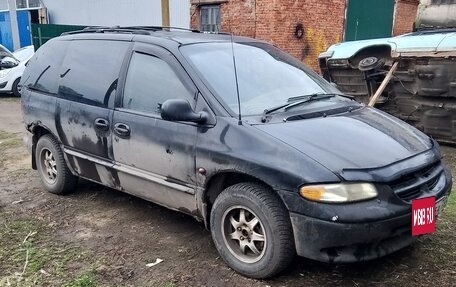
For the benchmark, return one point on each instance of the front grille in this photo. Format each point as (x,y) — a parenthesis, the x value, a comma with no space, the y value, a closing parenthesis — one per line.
(417,183)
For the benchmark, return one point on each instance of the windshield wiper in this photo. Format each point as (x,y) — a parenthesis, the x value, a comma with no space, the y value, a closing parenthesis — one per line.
(292,99)
(299,100)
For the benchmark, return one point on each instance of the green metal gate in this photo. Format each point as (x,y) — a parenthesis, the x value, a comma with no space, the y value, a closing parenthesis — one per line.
(369,19)
(41,33)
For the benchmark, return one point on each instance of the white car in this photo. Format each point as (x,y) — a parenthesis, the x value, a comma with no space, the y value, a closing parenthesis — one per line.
(12,66)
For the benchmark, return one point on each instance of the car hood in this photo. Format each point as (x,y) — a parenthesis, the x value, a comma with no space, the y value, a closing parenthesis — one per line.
(362,139)
(414,42)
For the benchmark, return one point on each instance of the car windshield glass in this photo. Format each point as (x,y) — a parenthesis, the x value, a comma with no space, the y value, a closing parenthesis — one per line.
(267,77)
(23,53)
(4,52)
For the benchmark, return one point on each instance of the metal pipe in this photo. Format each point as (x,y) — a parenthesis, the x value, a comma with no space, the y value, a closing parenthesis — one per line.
(14,25)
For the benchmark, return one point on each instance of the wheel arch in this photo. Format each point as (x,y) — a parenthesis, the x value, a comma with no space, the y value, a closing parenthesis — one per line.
(219,182)
(16,83)
(380,51)
(37,132)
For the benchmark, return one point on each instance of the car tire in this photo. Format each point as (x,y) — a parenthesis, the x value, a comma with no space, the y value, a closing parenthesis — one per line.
(15,87)
(264,230)
(54,173)
(370,64)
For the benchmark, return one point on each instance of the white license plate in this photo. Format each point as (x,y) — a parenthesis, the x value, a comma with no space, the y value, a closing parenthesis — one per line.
(440,205)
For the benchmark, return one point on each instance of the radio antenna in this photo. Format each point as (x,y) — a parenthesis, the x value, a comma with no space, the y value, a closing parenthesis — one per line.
(235,69)
(236,79)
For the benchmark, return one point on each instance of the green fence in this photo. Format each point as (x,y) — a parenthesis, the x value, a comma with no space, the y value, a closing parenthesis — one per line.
(41,33)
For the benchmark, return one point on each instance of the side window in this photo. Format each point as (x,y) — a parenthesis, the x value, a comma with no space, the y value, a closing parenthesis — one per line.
(151,81)
(42,73)
(91,70)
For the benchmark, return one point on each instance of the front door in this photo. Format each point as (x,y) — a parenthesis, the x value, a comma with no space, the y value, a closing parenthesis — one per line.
(369,19)
(155,158)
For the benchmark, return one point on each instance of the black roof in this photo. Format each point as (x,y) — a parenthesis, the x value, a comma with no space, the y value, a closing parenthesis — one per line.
(178,35)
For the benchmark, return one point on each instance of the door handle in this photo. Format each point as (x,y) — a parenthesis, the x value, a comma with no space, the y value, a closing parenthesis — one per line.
(122,130)
(102,124)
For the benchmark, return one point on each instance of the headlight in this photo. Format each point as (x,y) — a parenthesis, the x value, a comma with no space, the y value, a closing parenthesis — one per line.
(4,73)
(339,192)
(327,54)
(436,147)
(338,63)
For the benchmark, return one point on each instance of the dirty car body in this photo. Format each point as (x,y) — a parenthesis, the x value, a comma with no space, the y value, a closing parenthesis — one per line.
(188,160)
(422,91)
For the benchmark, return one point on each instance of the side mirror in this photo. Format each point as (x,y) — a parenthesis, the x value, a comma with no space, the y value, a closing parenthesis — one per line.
(8,63)
(180,111)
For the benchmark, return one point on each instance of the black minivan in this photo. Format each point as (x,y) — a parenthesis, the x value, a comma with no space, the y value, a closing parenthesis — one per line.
(234,132)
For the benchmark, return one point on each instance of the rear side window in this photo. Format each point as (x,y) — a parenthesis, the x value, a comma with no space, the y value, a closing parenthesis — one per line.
(42,73)
(91,70)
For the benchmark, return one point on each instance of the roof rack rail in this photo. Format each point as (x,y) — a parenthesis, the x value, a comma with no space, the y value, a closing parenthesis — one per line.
(141,30)
(100,27)
(108,29)
(162,28)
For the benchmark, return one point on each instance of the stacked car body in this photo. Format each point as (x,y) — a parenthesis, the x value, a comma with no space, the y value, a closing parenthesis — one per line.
(422,91)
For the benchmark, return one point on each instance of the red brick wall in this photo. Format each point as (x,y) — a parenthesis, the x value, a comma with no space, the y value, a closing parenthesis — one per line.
(404,16)
(238,17)
(323,23)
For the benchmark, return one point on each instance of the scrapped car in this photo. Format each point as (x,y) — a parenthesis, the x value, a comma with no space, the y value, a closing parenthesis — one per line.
(422,91)
(234,132)
(12,65)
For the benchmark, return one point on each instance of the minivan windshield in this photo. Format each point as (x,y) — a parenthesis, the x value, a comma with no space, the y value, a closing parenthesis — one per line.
(267,77)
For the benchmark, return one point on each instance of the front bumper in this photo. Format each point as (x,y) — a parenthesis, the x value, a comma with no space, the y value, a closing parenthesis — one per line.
(335,242)
(6,84)
(349,242)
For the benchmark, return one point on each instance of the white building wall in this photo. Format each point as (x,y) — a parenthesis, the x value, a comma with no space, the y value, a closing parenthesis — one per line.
(179,13)
(431,15)
(116,12)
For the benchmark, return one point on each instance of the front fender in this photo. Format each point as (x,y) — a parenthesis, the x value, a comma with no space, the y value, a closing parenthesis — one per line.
(247,150)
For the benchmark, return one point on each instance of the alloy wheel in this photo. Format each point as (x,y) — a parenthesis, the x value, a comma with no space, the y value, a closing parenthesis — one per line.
(244,234)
